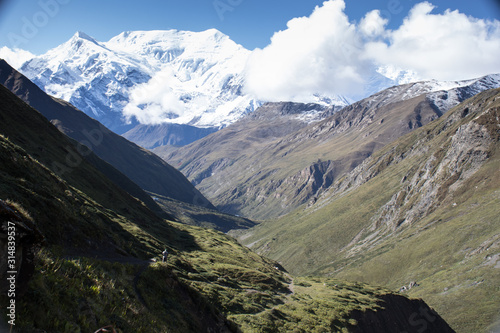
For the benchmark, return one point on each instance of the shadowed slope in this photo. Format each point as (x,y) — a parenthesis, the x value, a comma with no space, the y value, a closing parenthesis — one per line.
(147,170)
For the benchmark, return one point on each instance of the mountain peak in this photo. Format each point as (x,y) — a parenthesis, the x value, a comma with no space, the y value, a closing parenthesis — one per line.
(216,33)
(82,35)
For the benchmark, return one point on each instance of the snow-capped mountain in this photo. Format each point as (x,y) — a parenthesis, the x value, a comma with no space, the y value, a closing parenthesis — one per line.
(148,77)
(182,78)
(443,94)
(152,77)
(89,75)
(446,95)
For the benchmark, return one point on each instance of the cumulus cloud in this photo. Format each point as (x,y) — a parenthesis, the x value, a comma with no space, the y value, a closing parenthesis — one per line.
(327,53)
(315,54)
(17,57)
(154,102)
(373,25)
(446,46)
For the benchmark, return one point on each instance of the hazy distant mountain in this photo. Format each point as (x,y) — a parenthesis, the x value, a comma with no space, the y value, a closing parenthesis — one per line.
(152,136)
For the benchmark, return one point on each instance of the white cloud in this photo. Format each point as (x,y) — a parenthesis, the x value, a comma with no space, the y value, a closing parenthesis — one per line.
(16,58)
(154,102)
(326,53)
(448,46)
(373,24)
(315,54)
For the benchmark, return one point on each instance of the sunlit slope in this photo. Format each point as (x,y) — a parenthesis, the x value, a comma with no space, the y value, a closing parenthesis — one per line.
(425,208)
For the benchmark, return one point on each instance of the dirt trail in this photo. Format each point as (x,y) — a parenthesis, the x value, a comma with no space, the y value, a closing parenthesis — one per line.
(144,266)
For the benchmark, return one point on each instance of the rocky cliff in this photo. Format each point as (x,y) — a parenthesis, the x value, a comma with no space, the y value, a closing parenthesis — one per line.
(446,163)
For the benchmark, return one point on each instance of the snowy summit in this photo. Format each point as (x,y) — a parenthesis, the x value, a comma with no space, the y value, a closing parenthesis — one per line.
(149,77)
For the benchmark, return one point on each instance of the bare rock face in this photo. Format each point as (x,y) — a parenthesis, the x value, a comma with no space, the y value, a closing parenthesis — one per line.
(448,155)
(19,239)
(400,315)
(443,172)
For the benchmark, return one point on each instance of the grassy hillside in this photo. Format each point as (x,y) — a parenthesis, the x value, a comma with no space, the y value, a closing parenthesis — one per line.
(81,283)
(425,208)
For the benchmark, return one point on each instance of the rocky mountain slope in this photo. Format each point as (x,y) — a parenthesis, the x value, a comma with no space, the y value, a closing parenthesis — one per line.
(424,208)
(92,241)
(284,155)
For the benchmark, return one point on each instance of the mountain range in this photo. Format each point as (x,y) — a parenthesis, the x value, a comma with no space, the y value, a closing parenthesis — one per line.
(201,71)
(86,255)
(285,154)
(187,84)
(399,189)
(327,200)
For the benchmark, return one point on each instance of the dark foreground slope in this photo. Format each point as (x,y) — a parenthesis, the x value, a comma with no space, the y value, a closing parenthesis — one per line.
(425,208)
(147,170)
(89,242)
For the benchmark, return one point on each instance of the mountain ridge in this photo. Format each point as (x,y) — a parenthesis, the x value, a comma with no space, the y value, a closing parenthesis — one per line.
(155,77)
(266,178)
(134,58)
(135,162)
(118,82)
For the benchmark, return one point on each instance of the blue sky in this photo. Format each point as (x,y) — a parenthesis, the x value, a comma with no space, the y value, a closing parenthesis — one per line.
(38,25)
